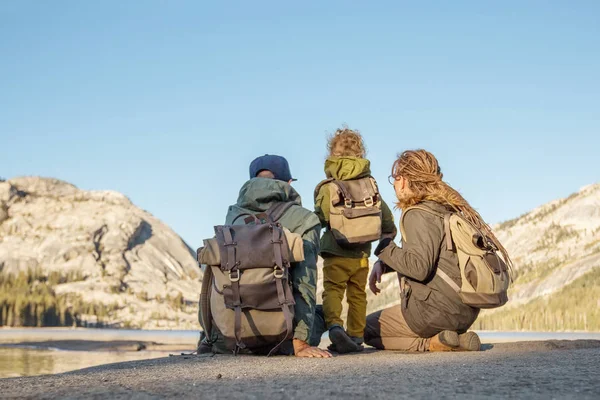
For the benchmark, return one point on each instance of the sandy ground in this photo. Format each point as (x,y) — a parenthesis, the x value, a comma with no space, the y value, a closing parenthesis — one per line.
(543,369)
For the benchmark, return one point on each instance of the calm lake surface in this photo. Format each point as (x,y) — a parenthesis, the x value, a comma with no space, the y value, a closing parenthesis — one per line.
(15,362)
(17,358)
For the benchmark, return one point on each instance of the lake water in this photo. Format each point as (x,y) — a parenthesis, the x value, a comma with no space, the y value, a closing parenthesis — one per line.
(27,360)
(17,358)
(12,335)
(15,362)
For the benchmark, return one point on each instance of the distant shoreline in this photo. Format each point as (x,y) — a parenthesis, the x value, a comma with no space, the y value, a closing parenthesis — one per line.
(104,339)
(92,345)
(156,337)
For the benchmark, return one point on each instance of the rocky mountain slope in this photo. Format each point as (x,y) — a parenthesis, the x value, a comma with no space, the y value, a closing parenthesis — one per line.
(556,252)
(69,256)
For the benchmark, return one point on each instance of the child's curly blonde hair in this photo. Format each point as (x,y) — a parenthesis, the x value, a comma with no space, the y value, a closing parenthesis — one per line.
(346,142)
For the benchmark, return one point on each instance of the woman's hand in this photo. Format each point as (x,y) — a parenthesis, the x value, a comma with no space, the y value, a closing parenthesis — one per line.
(375,277)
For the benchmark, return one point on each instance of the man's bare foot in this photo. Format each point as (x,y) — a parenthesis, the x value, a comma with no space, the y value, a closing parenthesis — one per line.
(303,349)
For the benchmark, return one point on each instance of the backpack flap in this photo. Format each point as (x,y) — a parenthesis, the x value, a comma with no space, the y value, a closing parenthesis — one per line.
(209,254)
(251,246)
(357,192)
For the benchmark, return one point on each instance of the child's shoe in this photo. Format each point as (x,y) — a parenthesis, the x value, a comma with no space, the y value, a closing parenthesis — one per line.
(341,342)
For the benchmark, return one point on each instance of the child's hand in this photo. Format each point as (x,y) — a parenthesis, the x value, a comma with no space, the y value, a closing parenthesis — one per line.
(375,277)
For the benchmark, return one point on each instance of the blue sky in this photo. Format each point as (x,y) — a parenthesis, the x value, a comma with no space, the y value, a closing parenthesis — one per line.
(168,102)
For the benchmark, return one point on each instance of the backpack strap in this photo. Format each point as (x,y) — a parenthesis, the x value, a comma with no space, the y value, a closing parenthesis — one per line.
(341,187)
(448,280)
(205,312)
(345,193)
(320,185)
(280,273)
(445,217)
(348,200)
(449,242)
(374,184)
(234,276)
(276,211)
(250,217)
(368,190)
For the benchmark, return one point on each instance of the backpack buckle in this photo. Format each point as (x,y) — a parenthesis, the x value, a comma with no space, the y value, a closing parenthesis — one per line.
(236,277)
(369,201)
(277,272)
(348,203)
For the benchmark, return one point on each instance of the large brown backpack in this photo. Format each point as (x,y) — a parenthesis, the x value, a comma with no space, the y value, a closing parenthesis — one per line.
(485,277)
(355,210)
(246,289)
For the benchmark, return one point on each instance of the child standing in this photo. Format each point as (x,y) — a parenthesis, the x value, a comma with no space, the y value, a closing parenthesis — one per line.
(354,215)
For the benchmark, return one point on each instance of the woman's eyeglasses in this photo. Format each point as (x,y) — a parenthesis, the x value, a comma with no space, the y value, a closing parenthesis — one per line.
(391,180)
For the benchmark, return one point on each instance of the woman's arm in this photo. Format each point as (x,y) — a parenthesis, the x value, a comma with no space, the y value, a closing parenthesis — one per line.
(388,227)
(418,256)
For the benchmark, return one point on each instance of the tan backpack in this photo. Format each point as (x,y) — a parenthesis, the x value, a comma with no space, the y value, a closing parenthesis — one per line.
(484,274)
(355,210)
(246,289)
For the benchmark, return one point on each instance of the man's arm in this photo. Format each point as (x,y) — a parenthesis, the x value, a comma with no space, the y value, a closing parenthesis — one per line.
(420,249)
(304,282)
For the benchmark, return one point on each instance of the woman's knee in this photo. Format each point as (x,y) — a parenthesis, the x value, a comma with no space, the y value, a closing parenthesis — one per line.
(372,328)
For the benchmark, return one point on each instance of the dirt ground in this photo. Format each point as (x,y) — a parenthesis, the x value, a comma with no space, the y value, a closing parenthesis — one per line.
(545,369)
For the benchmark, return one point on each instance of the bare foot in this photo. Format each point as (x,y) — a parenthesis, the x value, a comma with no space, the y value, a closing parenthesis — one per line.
(303,349)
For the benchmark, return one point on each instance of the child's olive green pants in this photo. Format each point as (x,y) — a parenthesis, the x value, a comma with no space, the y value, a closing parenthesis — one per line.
(345,275)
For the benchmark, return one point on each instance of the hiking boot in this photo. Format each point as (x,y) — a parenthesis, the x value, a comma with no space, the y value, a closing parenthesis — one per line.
(358,340)
(332,347)
(444,341)
(341,342)
(469,341)
(204,347)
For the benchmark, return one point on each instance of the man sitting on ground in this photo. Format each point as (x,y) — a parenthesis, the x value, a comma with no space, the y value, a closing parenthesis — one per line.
(269,184)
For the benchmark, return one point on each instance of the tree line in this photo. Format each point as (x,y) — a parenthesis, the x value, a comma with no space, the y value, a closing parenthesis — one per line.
(573,308)
(28,299)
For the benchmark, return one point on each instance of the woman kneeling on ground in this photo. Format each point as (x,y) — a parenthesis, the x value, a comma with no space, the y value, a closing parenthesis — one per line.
(431,316)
